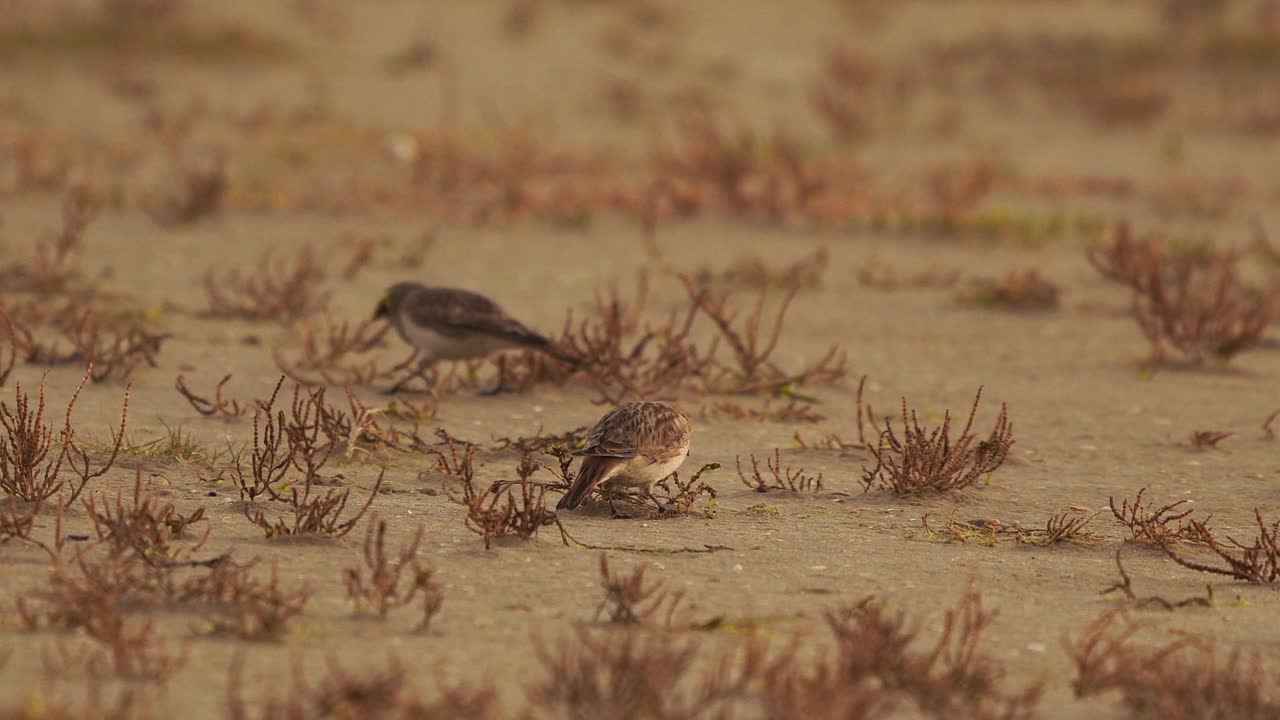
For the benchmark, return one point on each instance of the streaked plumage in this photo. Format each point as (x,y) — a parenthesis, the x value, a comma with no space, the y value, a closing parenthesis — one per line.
(632,446)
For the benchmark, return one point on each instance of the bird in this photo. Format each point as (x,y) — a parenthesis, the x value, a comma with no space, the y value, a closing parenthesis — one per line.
(634,445)
(446,323)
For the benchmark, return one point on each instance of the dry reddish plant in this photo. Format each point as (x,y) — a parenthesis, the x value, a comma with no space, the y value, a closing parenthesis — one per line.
(235,603)
(782,478)
(1267,432)
(146,525)
(217,407)
(1127,259)
(11,336)
(382,590)
(1015,290)
(115,343)
(277,291)
(629,601)
(361,248)
(301,442)
(95,601)
(1256,563)
(1125,586)
(680,496)
(1207,439)
(835,442)
(753,370)
(881,276)
(198,193)
(328,350)
(1181,680)
(459,463)
(842,93)
(1192,302)
(26,470)
(314,514)
(498,511)
(793,411)
(1065,526)
(52,268)
(551,443)
(876,668)
(624,358)
(597,674)
(756,273)
(1203,313)
(741,173)
(226,593)
(954,678)
(373,694)
(111,347)
(16,522)
(928,462)
(1148,524)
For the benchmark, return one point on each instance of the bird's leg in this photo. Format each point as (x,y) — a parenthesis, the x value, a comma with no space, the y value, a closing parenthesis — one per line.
(614,513)
(418,372)
(662,509)
(502,386)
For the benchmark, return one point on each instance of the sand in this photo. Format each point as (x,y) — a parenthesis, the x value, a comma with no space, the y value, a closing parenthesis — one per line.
(1089,423)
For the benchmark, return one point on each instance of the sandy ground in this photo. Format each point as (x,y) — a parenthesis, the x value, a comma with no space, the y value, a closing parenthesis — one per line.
(1088,423)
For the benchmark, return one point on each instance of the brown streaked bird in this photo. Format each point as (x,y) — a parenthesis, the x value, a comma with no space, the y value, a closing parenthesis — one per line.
(633,446)
(455,324)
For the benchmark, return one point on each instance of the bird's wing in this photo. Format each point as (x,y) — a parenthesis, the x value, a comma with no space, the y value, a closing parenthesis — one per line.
(457,313)
(590,474)
(650,429)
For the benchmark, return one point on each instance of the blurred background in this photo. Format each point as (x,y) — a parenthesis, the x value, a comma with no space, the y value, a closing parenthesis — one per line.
(1002,119)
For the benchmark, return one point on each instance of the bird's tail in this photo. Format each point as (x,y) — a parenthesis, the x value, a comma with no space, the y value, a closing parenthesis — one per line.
(553,349)
(593,470)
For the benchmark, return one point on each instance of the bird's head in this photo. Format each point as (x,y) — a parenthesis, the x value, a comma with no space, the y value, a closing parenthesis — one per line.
(390,301)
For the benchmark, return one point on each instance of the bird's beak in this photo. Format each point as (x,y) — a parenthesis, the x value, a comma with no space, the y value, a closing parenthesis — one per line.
(383,310)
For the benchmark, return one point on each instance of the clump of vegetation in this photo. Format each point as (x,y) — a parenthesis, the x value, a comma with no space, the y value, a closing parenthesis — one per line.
(756,273)
(1182,680)
(53,267)
(1016,290)
(302,442)
(217,407)
(877,667)
(276,290)
(1125,587)
(780,478)
(628,600)
(679,497)
(372,694)
(1194,303)
(381,591)
(929,462)
(1258,562)
(328,350)
(1154,526)
(792,411)
(517,509)
(198,193)
(145,525)
(28,471)
(625,357)
(1064,526)
(1207,439)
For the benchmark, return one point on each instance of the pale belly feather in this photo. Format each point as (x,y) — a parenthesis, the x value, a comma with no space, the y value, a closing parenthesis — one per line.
(435,346)
(639,472)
